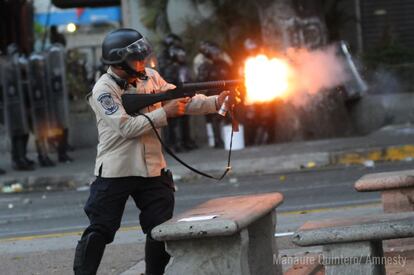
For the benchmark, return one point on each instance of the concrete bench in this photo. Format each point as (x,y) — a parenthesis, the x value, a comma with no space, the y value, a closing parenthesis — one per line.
(397,189)
(229,235)
(354,245)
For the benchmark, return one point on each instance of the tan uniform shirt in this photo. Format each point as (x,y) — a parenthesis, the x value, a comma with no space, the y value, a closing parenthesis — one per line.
(128,145)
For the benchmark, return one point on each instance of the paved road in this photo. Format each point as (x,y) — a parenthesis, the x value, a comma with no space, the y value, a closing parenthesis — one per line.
(54,212)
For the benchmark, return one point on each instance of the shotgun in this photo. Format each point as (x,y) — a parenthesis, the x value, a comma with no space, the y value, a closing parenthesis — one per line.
(133,103)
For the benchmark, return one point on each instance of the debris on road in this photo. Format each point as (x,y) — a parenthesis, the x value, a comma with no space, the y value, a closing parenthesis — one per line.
(233,180)
(82,188)
(13,188)
(369,163)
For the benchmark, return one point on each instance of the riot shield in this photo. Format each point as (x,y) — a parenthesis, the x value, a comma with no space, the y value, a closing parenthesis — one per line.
(58,102)
(38,96)
(14,99)
(355,87)
(1,93)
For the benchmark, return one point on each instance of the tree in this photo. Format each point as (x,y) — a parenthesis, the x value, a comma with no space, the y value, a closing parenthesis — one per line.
(335,17)
(155,17)
(230,23)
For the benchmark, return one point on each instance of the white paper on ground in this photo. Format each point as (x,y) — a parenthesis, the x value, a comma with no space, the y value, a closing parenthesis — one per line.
(198,218)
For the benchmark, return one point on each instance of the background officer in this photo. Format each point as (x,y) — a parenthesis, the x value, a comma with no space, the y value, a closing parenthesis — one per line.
(164,58)
(16,109)
(213,67)
(58,102)
(178,135)
(2,63)
(129,159)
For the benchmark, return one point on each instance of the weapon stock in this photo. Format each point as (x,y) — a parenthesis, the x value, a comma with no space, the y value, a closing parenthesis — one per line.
(133,103)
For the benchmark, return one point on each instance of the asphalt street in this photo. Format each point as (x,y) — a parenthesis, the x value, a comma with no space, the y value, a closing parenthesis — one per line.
(26,214)
(39,230)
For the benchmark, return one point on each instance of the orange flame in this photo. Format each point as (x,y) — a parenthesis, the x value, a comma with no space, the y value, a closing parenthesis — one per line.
(266,79)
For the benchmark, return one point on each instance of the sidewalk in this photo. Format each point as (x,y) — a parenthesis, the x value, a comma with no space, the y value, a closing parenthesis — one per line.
(393,143)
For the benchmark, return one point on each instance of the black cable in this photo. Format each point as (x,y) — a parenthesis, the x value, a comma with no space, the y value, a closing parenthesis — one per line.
(171,153)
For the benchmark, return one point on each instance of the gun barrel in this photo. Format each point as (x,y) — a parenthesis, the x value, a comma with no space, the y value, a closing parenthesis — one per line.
(200,86)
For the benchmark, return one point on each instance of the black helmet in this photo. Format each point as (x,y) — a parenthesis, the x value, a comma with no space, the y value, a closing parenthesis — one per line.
(209,49)
(12,49)
(122,46)
(172,40)
(177,54)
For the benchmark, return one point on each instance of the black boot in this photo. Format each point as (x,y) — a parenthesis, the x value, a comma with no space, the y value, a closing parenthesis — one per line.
(156,258)
(88,254)
(63,157)
(22,165)
(19,162)
(42,155)
(45,161)
(14,149)
(29,161)
(177,148)
(69,147)
(187,143)
(62,150)
(24,141)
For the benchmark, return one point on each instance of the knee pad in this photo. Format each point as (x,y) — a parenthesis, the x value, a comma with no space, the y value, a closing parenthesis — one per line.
(88,254)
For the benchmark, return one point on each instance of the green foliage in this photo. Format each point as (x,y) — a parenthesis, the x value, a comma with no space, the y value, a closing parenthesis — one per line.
(230,24)
(205,29)
(155,15)
(336,17)
(39,30)
(78,85)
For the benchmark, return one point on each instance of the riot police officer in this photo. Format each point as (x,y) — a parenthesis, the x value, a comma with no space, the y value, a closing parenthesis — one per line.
(164,59)
(215,66)
(38,102)
(2,122)
(58,102)
(16,109)
(129,160)
(177,71)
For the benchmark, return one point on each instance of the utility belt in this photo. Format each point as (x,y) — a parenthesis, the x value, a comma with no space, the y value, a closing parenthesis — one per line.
(165,176)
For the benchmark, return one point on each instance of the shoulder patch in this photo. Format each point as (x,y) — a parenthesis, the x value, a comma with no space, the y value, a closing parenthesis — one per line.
(108,103)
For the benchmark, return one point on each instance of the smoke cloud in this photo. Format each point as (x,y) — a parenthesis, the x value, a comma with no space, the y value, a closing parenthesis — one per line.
(314,71)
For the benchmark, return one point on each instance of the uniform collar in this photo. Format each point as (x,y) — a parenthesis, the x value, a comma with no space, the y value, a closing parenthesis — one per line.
(122,83)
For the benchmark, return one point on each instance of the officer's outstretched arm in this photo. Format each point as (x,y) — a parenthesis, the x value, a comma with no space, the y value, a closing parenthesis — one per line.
(108,108)
(201,105)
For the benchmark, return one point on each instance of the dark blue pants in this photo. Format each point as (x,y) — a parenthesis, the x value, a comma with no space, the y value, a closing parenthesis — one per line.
(153,196)
(108,196)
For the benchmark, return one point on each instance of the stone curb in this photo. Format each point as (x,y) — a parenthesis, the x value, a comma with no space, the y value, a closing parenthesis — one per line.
(46,184)
(276,164)
(360,156)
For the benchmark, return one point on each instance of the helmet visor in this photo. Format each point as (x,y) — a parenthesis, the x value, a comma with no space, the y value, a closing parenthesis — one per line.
(139,65)
(139,50)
